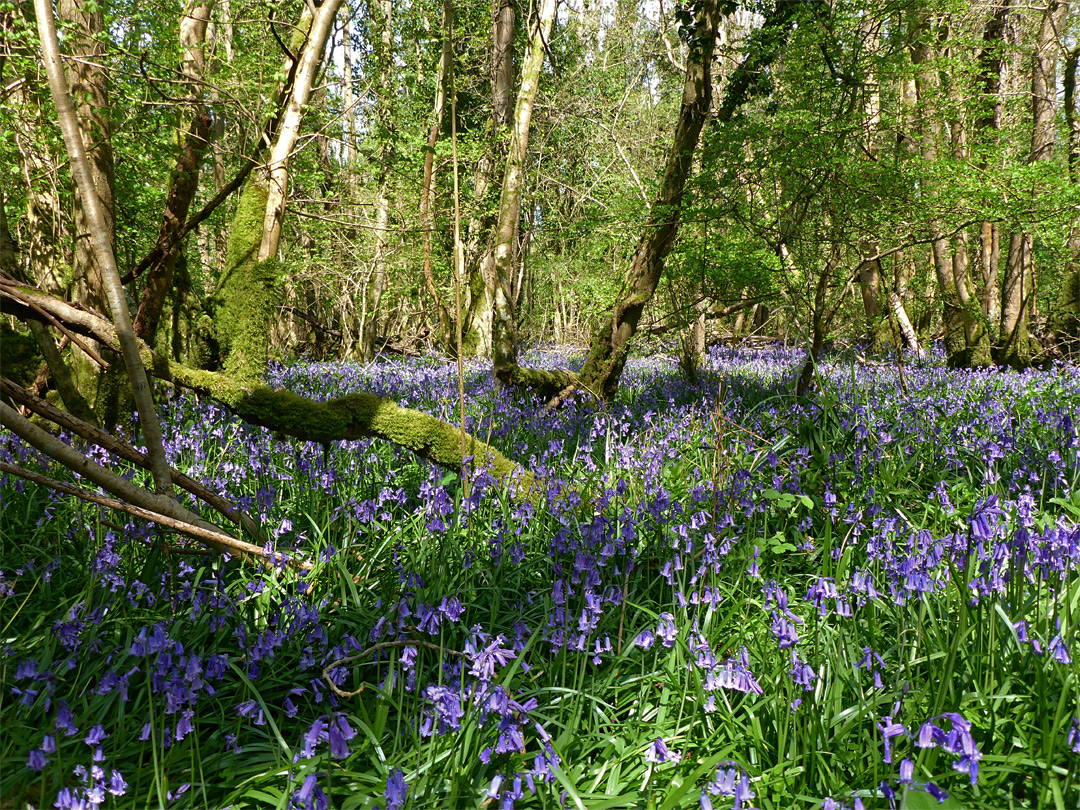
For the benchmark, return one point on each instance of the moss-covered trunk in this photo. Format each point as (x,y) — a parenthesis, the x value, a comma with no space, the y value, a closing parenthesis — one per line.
(347,418)
(248,293)
(504,317)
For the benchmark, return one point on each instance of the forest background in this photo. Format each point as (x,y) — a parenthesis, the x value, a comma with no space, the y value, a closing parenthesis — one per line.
(888,172)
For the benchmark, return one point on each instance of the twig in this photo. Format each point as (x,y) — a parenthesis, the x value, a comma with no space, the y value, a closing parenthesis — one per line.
(382,645)
(118,448)
(188,551)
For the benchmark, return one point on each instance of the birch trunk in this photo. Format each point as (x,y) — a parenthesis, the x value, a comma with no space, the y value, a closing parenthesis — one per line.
(249,290)
(318,26)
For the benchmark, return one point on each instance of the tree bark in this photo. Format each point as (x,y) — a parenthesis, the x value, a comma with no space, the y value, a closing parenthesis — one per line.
(185,177)
(610,342)
(248,292)
(104,256)
(907,331)
(427,217)
(504,323)
(376,286)
(966,343)
(1018,287)
(1065,319)
(90,92)
(318,27)
(869,274)
(987,129)
(478,279)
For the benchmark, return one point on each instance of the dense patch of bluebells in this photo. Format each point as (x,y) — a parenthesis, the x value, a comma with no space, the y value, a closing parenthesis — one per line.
(854,596)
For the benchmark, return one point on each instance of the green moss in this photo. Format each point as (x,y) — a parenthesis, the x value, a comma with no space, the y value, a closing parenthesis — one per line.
(346,418)
(248,293)
(114,399)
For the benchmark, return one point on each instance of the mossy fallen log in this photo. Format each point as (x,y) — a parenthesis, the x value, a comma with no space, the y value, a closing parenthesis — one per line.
(548,382)
(353,416)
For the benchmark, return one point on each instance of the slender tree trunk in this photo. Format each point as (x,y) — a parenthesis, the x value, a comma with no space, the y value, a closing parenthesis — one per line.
(908,335)
(384,60)
(104,256)
(504,325)
(966,343)
(90,94)
(987,130)
(318,27)
(877,325)
(8,253)
(44,256)
(989,259)
(1018,288)
(185,179)
(427,218)
(478,250)
(1065,319)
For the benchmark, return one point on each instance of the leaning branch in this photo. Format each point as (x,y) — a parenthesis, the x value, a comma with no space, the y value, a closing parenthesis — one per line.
(723,312)
(205,536)
(135,496)
(120,449)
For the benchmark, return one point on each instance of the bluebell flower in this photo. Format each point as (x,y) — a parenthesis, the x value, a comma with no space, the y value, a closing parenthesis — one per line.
(396,790)
(37,760)
(658,752)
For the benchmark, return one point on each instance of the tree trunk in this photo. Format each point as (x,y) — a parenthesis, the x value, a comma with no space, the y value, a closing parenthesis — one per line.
(248,292)
(99,231)
(607,353)
(427,218)
(1018,288)
(877,325)
(346,418)
(504,325)
(966,343)
(478,257)
(1065,317)
(384,61)
(908,336)
(89,87)
(987,130)
(317,28)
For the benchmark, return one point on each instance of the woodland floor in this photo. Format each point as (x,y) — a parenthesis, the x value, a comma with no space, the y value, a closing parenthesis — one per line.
(726,597)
